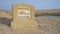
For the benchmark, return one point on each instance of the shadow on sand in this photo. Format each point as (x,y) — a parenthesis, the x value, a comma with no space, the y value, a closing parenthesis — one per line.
(5,21)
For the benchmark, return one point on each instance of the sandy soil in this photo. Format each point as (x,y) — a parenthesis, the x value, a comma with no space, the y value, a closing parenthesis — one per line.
(45,26)
(48,25)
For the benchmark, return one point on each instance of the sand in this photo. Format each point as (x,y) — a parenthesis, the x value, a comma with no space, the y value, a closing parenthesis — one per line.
(46,25)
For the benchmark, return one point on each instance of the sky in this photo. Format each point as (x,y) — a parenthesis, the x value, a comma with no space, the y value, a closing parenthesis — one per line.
(38,4)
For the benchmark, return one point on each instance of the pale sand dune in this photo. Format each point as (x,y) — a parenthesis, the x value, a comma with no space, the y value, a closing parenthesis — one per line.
(6,11)
(46,25)
(4,15)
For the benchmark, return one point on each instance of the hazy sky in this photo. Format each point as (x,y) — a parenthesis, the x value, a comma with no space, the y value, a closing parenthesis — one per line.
(39,4)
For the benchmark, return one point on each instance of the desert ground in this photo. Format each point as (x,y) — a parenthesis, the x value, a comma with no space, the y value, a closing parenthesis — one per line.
(46,25)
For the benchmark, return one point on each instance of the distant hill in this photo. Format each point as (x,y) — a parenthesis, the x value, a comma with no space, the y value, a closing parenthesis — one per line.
(53,11)
(8,13)
(5,14)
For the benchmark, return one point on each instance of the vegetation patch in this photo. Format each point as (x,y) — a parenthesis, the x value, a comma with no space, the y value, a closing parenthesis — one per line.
(36,15)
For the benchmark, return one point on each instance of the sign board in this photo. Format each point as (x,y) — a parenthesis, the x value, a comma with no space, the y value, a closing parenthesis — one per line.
(24,14)
(23,17)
